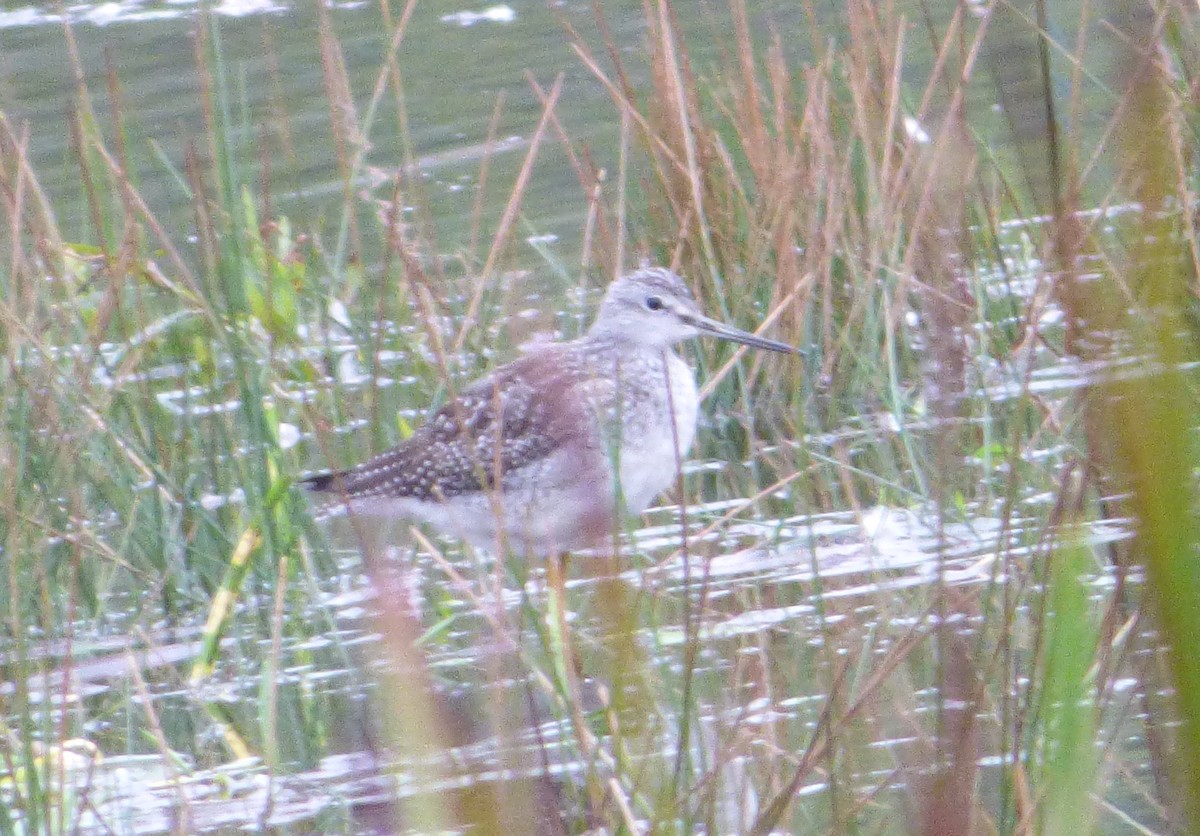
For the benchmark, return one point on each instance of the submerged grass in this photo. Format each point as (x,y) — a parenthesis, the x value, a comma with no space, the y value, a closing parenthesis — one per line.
(161,394)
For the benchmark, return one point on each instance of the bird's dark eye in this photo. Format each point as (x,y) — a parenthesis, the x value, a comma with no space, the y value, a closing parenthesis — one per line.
(654,303)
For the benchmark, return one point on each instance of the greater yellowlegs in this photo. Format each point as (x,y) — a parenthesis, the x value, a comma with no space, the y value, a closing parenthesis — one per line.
(541,455)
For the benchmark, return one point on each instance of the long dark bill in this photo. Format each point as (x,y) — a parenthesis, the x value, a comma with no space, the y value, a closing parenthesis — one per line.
(737,335)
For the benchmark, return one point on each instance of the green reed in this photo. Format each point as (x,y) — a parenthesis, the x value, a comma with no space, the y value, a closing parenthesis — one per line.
(787,189)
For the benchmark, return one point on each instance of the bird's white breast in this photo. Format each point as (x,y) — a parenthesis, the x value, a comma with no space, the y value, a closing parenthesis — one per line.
(653,449)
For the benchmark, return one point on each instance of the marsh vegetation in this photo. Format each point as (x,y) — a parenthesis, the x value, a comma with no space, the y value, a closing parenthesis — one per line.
(939,576)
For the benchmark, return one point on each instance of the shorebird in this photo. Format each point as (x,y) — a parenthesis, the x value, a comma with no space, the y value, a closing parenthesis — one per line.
(542,455)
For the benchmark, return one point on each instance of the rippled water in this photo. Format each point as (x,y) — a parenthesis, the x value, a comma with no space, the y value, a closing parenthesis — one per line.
(723,587)
(828,567)
(727,586)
